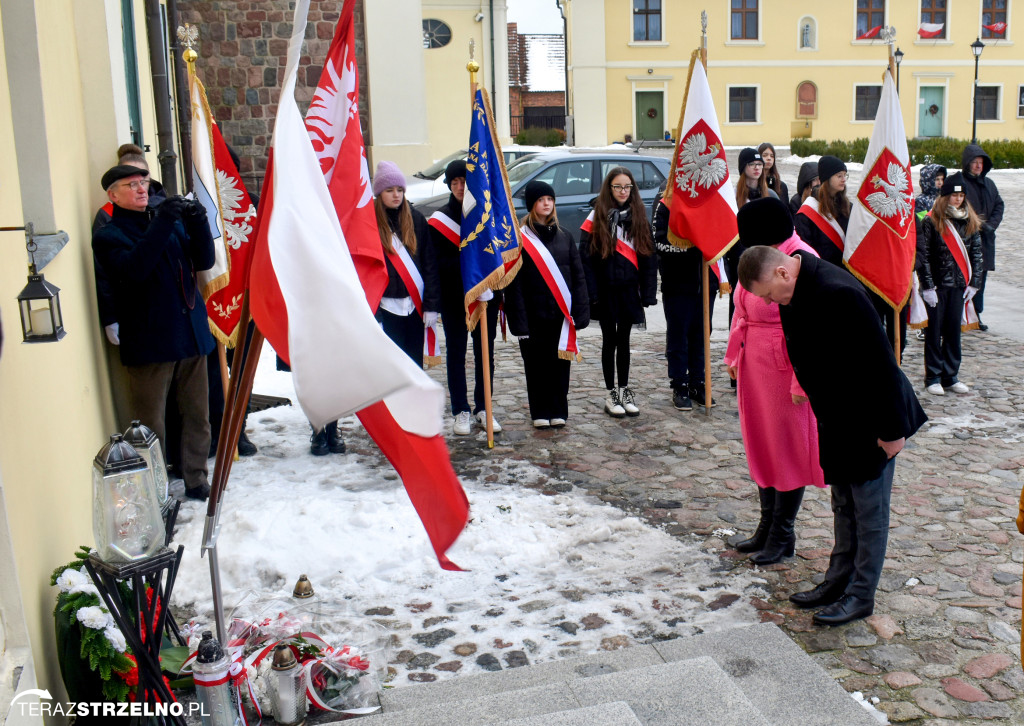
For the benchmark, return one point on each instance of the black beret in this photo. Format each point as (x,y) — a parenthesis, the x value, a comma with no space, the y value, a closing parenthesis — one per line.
(953,183)
(535,190)
(748,156)
(829,166)
(764,221)
(454,170)
(119,172)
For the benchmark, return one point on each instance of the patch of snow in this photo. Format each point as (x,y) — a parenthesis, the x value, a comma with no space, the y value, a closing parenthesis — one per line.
(870,708)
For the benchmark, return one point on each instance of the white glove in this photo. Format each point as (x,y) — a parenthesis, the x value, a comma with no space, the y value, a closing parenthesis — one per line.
(969,293)
(430,318)
(930,297)
(487,294)
(523,337)
(111,331)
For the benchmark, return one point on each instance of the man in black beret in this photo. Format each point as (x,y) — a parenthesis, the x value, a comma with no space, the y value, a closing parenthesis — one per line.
(151,257)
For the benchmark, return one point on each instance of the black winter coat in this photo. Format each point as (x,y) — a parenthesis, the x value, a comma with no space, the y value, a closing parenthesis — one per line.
(424,263)
(680,269)
(984,197)
(808,173)
(936,266)
(615,287)
(831,326)
(151,261)
(528,300)
(444,257)
(818,240)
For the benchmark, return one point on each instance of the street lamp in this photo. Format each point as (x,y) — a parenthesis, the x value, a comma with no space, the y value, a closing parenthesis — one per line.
(976,47)
(898,55)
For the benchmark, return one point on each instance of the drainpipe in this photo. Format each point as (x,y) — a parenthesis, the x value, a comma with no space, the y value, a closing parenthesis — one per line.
(181,95)
(161,98)
(494,75)
(565,70)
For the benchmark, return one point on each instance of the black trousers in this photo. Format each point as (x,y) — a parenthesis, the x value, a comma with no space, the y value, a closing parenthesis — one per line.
(406,331)
(453,321)
(547,375)
(684,338)
(979,298)
(861,516)
(615,349)
(942,338)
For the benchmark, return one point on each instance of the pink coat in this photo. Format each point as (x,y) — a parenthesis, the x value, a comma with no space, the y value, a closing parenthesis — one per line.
(781,438)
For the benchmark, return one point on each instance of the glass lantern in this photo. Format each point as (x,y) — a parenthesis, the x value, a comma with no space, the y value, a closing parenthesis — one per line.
(146,443)
(288,687)
(126,520)
(39,302)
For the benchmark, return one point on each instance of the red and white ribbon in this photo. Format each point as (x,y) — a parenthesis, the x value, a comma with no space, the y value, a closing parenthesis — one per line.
(829,227)
(448,227)
(623,245)
(968,316)
(553,278)
(410,274)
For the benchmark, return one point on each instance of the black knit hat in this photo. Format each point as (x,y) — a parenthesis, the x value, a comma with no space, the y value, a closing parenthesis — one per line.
(764,221)
(953,183)
(122,171)
(454,170)
(535,190)
(748,156)
(829,166)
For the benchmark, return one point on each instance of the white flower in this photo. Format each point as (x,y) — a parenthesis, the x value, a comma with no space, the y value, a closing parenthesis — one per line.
(116,638)
(71,578)
(86,587)
(95,617)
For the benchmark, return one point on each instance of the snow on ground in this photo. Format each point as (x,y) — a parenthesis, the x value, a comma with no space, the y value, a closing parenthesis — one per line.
(533,560)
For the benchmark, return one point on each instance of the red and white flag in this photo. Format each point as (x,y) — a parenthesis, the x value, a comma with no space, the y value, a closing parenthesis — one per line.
(700,197)
(307,300)
(996,28)
(880,238)
(871,33)
(931,30)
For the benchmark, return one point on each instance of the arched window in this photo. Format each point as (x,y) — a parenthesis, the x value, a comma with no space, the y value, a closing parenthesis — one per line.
(436,33)
(807,100)
(808,33)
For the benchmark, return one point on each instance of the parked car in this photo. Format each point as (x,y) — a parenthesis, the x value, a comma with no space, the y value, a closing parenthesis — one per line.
(430,181)
(576,177)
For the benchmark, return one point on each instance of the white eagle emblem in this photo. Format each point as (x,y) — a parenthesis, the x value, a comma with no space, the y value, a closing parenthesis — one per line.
(895,197)
(236,220)
(699,165)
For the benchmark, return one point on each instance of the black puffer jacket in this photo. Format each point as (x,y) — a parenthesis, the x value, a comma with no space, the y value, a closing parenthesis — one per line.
(936,266)
(445,259)
(984,197)
(528,300)
(424,263)
(614,286)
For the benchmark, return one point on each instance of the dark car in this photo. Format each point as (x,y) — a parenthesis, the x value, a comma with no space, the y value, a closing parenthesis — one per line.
(576,177)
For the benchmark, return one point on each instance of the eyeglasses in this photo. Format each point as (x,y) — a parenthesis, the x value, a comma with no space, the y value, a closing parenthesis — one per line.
(622,187)
(137,185)
(843,176)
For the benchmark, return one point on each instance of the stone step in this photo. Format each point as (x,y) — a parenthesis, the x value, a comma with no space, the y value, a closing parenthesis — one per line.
(617,713)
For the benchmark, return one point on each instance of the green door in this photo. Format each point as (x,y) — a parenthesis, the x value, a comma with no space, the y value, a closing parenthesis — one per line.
(931,109)
(650,115)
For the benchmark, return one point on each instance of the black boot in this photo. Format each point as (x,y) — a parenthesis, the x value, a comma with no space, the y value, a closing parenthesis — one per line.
(334,441)
(756,542)
(782,537)
(318,443)
(245,447)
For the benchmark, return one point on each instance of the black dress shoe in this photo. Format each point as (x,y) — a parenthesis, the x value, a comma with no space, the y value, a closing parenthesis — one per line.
(849,607)
(824,594)
(245,447)
(202,493)
(982,327)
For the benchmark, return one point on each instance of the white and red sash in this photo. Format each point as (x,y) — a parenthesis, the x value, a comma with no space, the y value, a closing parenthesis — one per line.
(541,256)
(957,248)
(413,280)
(448,227)
(623,245)
(829,227)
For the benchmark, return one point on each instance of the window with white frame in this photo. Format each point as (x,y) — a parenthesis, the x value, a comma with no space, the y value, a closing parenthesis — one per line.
(646,20)
(742,104)
(808,29)
(1020,101)
(744,20)
(994,19)
(933,19)
(988,103)
(866,100)
(870,18)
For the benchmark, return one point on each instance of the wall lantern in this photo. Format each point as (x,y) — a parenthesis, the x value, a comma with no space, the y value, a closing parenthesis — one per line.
(39,302)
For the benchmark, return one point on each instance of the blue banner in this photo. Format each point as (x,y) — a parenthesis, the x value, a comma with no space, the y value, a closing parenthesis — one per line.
(490,254)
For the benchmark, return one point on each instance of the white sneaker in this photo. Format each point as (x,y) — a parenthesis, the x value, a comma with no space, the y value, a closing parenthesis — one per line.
(481,416)
(936,389)
(959,387)
(628,401)
(541,423)
(463,424)
(612,404)
(557,423)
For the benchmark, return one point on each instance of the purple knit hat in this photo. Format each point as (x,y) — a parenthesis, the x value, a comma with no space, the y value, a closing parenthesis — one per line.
(388,175)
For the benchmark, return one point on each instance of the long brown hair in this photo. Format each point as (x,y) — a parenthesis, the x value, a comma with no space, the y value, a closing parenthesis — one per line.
(938,215)
(832,206)
(771,176)
(406,230)
(640,232)
(743,191)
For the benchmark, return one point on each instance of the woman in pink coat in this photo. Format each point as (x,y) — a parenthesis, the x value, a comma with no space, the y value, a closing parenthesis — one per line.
(780,432)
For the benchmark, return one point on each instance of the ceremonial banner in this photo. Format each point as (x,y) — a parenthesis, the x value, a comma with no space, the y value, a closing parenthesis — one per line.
(930,30)
(880,238)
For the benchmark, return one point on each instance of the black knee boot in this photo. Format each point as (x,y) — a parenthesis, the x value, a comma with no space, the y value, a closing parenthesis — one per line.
(782,537)
(760,536)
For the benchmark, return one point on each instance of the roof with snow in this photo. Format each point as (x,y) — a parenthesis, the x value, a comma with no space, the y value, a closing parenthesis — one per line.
(545,62)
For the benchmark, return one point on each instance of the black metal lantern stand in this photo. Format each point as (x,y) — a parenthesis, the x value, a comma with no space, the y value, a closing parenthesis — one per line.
(976,47)
(138,620)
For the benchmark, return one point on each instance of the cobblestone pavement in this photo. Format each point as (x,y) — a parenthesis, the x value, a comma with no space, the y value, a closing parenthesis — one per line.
(943,644)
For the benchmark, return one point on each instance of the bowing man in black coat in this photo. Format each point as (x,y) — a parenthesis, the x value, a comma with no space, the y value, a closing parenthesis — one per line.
(831,325)
(535,314)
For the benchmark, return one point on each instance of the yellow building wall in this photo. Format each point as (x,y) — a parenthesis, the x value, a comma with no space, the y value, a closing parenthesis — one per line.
(776,65)
(55,410)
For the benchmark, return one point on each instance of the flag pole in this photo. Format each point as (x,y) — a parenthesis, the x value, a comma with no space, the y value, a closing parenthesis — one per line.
(896,311)
(704,265)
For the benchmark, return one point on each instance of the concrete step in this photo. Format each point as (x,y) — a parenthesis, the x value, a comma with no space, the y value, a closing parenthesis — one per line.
(617,713)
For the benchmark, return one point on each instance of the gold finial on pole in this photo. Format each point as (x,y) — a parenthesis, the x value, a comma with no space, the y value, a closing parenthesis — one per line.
(188,36)
(473,67)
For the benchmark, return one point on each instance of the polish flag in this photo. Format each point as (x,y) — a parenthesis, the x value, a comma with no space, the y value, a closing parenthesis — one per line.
(307,300)
(868,34)
(880,238)
(701,197)
(931,30)
(996,28)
